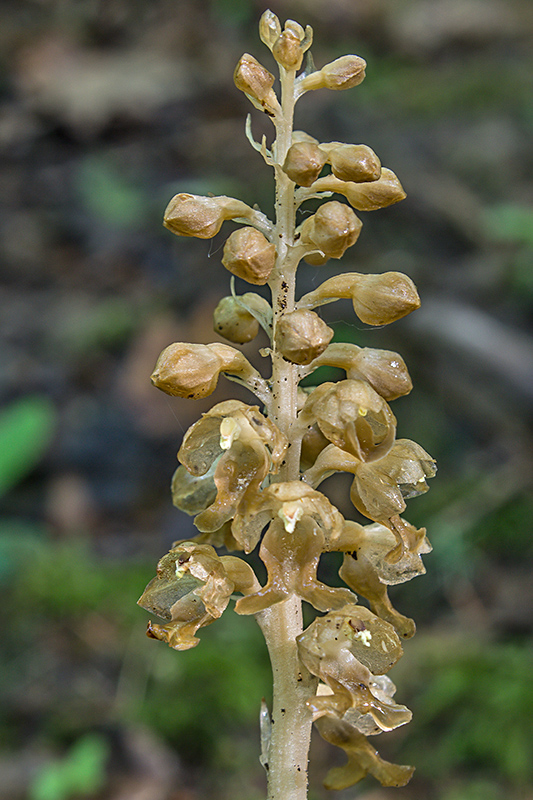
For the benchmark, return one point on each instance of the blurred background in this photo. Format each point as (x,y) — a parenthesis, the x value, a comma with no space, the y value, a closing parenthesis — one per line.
(110,107)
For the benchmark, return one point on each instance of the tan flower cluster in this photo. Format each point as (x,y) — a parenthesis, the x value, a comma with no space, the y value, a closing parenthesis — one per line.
(249,474)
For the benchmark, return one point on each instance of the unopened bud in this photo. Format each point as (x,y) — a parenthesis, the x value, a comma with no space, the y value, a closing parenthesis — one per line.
(343,73)
(248,254)
(187,370)
(194,215)
(380,299)
(380,193)
(377,299)
(192,370)
(385,371)
(354,162)
(269,29)
(287,50)
(291,45)
(304,162)
(232,321)
(332,229)
(302,136)
(255,81)
(301,336)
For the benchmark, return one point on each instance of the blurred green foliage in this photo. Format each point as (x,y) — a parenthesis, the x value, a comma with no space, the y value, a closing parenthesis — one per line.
(81,772)
(472,704)
(26,429)
(109,195)
(65,583)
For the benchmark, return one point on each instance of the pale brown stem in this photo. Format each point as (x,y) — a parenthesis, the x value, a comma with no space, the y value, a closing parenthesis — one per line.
(282,623)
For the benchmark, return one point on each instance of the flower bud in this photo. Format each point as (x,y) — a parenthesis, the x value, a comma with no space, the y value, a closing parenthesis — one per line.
(380,299)
(343,73)
(304,162)
(248,254)
(192,370)
(194,215)
(377,299)
(301,336)
(269,29)
(384,370)
(332,230)
(255,81)
(187,370)
(232,321)
(291,45)
(302,136)
(287,50)
(354,162)
(375,194)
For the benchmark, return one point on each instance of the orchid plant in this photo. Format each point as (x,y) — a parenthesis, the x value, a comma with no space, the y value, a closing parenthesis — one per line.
(250,474)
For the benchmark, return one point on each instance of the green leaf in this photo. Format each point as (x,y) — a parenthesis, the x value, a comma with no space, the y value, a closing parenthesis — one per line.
(26,428)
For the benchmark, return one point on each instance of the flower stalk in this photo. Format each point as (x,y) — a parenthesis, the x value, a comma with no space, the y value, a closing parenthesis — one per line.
(250,474)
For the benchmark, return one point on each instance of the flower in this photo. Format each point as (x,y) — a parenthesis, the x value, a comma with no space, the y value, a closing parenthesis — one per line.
(347,649)
(256,82)
(331,230)
(363,758)
(377,299)
(240,447)
(380,487)
(249,255)
(192,370)
(232,321)
(352,416)
(303,524)
(304,162)
(192,588)
(353,162)
(343,73)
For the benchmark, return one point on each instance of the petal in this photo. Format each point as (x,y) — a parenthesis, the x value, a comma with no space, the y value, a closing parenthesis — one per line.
(362,758)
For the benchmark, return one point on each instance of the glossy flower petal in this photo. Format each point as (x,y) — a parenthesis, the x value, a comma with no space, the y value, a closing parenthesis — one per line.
(347,649)
(192,588)
(353,417)
(240,447)
(380,489)
(303,522)
(363,758)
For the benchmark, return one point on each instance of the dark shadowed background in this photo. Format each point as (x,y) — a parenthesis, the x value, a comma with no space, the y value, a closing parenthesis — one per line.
(110,107)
